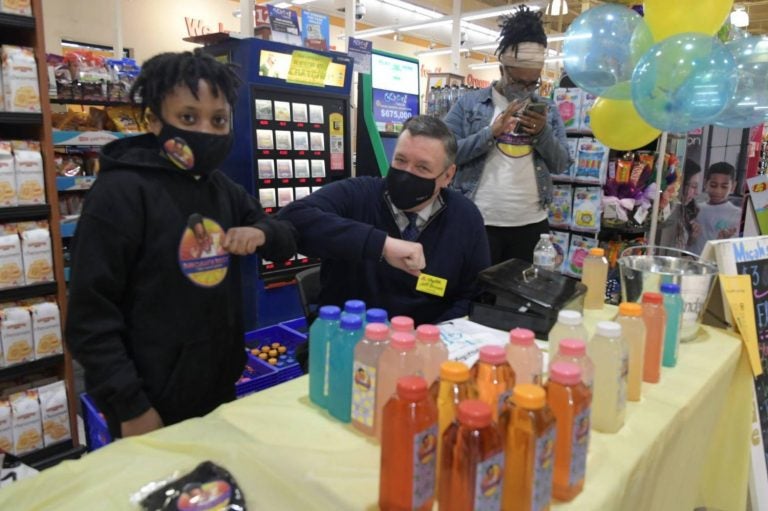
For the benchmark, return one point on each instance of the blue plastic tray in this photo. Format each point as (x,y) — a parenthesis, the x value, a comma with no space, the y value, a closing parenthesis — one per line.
(96,429)
(260,375)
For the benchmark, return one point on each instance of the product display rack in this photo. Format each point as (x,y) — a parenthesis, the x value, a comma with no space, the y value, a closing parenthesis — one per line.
(28,31)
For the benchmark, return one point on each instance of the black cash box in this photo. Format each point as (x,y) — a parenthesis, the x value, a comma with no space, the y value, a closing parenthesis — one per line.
(514,294)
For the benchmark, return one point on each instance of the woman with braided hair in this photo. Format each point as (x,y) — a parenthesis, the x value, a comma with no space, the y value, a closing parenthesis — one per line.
(510,142)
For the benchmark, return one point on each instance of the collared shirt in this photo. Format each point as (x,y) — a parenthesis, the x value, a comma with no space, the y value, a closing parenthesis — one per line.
(423,216)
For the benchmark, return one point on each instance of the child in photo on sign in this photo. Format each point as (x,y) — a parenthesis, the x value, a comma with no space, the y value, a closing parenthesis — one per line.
(718,218)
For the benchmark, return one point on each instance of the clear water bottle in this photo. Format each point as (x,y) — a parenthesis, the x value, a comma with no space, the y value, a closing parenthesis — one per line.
(544,254)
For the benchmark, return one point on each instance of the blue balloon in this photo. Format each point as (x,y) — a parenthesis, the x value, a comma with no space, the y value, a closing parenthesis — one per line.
(748,105)
(601,49)
(683,82)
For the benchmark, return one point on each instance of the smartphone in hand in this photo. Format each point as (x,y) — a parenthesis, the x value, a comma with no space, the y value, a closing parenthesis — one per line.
(539,108)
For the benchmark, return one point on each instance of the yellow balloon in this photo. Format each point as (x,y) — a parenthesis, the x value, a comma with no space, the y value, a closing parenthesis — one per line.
(670,17)
(616,123)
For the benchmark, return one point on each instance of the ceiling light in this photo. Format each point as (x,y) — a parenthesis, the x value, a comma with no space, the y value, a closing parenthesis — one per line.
(413,8)
(739,17)
(427,24)
(373,32)
(484,65)
(495,12)
(557,7)
(441,51)
(480,29)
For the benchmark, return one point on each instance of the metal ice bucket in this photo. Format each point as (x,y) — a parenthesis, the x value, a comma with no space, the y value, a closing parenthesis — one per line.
(645,268)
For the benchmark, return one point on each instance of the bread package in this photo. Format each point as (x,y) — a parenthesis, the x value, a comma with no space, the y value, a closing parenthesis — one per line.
(6,427)
(55,413)
(27,430)
(46,329)
(21,7)
(36,254)
(30,180)
(11,274)
(20,87)
(16,335)
(7,176)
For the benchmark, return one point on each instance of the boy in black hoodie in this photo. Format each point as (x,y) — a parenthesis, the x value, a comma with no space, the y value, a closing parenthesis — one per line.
(155,312)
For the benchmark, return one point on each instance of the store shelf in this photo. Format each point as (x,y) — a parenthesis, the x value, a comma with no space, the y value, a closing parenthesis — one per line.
(68,228)
(16,21)
(49,456)
(16,118)
(70,184)
(89,102)
(24,213)
(87,138)
(24,292)
(9,373)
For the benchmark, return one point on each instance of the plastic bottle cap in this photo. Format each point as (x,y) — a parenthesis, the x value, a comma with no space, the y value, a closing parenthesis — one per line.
(474,413)
(351,322)
(375,316)
(376,332)
(570,318)
(354,307)
(402,324)
(492,354)
(428,334)
(544,236)
(402,341)
(565,373)
(572,347)
(670,288)
(456,372)
(521,337)
(630,309)
(412,388)
(330,312)
(529,396)
(653,298)
(609,329)
(597,251)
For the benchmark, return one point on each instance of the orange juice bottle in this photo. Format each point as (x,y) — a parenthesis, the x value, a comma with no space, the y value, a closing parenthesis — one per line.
(453,387)
(399,358)
(655,318)
(408,448)
(433,351)
(493,378)
(570,401)
(528,450)
(472,466)
(595,276)
(633,327)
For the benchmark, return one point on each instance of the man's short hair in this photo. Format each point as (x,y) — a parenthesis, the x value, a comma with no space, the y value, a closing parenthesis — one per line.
(723,168)
(432,127)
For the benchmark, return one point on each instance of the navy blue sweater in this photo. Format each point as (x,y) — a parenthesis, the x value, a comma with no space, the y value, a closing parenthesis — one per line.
(345,223)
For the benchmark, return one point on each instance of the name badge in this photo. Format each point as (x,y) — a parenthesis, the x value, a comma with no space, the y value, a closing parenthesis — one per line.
(431,285)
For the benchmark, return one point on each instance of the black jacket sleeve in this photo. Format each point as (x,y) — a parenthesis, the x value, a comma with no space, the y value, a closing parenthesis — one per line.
(280,236)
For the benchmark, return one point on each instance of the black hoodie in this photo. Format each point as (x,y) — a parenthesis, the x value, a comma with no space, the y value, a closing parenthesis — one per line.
(155,313)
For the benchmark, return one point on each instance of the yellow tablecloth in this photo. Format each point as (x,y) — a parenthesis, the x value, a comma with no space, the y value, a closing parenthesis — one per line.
(686,444)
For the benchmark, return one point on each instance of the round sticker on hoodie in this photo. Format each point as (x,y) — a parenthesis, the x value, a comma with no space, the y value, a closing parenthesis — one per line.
(201,256)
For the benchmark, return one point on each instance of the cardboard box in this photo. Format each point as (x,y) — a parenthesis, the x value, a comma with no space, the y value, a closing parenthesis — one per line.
(36,255)
(16,335)
(30,175)
(6,426)
(7,175)
(11,268)
(21,7)
(20,86)
(55,413)
(27,429)
(46,329)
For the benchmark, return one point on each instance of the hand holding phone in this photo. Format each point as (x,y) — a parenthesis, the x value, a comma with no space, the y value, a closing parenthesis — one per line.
(533,119)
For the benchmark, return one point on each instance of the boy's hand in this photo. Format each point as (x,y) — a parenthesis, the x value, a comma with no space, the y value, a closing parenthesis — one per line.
(144,423)
(243,240)
(404,255)
(726,233)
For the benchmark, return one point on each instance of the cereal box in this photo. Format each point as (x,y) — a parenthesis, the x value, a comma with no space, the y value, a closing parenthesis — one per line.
(30,187)
(568,103)
(11,273)
(46,329)
(7,176)
(16,335)
(36,254)
(55,413)
(20,86)
(27,430)
(21,7)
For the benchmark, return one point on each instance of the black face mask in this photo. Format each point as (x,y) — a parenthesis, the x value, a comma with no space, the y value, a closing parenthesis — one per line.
(196,152)
(408,190)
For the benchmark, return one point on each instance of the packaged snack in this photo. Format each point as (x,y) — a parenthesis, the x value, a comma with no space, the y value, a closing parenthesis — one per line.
(30,180)
(569,105)
(21,7)
(7,176)
(624,169)
(27,430)
(36,255)
(587,100)
(16,335)
(586,209)
(21,92)
(6,426)
(46,329)
(577,251)
(560,208)
(560,240)
(11,273)
(592,161)
(55,413)
(124,118)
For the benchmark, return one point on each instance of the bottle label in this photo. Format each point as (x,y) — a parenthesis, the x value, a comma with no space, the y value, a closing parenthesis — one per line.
(542,470)
(424,463)
(488,483)
(544,260)
(623,372)
(502,403)
(363,393)
(580,444)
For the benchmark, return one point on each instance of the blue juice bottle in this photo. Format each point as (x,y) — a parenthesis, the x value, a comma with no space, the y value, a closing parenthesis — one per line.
(673,306)
(376,315)
(325,328)
(342,358)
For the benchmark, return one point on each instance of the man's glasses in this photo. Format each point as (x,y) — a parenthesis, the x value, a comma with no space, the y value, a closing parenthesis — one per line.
(522,84)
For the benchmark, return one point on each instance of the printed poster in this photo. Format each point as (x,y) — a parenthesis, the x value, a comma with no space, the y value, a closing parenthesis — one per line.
(360,50)
(315,30)
(285,25)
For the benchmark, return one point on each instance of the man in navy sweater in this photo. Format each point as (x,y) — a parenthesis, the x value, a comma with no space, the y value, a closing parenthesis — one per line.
(376,236)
